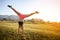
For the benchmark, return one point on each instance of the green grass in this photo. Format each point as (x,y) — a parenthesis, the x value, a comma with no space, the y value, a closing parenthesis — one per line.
(8,31)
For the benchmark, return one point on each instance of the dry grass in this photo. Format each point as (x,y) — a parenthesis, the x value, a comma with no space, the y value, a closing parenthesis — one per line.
(8,31)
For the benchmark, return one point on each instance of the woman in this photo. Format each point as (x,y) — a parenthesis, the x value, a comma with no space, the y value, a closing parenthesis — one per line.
(21,16)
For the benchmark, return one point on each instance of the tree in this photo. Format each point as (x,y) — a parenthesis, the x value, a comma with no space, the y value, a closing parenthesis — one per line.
(4,19)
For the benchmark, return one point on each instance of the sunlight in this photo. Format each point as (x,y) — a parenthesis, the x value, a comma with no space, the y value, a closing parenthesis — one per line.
(49,10)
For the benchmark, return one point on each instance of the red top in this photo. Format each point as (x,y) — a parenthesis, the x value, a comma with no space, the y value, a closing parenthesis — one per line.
(22,16)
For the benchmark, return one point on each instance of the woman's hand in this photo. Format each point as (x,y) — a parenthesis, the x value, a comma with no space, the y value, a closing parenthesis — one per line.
(9,6)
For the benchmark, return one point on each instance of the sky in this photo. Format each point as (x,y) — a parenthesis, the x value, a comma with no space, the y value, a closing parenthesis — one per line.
(49,10)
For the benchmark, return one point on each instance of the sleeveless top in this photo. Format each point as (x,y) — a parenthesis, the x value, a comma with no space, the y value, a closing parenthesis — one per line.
(22,16)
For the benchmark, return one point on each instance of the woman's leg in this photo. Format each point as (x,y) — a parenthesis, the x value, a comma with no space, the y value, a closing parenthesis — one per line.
(19,23)
(22,28)
(19,29)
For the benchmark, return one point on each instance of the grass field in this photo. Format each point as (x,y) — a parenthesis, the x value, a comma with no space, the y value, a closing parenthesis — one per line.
(8,31)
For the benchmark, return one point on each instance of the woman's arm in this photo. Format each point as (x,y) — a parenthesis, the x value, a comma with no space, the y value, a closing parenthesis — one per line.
(14,10)
(36,12)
